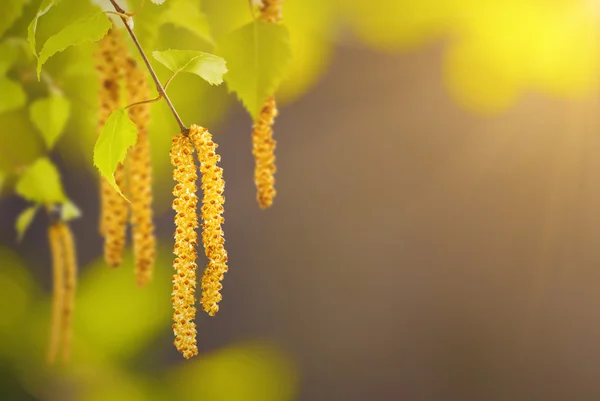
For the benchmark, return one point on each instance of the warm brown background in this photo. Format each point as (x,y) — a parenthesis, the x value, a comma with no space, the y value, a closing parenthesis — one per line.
(415,251)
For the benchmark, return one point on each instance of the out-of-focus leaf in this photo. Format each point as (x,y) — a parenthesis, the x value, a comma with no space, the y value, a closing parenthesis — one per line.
(9,57)
(50,116)
(186,14)
(248,372)
(69,211)
(157,1)
(258,57)
(118,134)
(87,29)
(114,315)
(2,179)
(41,183)
(207,66)
(10,11)
(12,95)
(45,6)
(24,220)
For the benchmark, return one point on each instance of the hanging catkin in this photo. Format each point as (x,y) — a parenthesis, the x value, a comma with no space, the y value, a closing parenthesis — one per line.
(263,144)
(113,214)
(212,219)
(186,240)
(140,175)
(64,268)
(58,289)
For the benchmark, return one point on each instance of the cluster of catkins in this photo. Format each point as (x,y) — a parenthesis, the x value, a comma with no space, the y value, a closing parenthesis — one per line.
(64,275)
(186,238)
(118,71)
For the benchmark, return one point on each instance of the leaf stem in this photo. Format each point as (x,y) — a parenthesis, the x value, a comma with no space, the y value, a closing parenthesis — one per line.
(159,87)
(156,99)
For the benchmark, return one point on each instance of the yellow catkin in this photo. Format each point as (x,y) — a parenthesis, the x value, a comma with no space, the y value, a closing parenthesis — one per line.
(58,289)
(70,259)
(213,186)
(263,144)
(113,214)
(140,176)
(186,240)
(263,149)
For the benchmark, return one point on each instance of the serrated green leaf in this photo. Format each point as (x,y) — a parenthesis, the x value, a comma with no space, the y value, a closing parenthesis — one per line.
(258,56)
(24,220)
(11,11)
(186,14)
(118,134)
(44,7)
(50,115)
(209,67)
(87,29)
(69,211)
(41,183)
(12,95)
(9,57)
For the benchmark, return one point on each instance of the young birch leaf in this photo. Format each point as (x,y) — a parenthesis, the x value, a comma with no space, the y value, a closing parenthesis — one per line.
(32,28)
(87,29)
(118,134)
(50,116)
(41,183)
(11,11)
(69,211)
(207,66)
(186,14)
(258,56)
(12,95)
(24,220)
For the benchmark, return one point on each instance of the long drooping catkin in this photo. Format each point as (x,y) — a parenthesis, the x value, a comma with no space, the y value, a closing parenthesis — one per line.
(263,149)
(186,240)
(58,289)
(213,186)
(140,176)
(70,259)
(263,144)
(113,214)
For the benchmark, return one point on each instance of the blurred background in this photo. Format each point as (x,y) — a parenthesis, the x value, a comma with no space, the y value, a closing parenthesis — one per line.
(434,236)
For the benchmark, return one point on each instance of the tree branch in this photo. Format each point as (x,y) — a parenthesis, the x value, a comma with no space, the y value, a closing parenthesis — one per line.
(159,87)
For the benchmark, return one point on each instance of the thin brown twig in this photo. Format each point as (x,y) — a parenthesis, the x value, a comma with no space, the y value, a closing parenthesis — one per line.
(159,87)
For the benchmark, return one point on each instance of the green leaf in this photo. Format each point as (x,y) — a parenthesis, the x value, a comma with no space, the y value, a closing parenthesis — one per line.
(258,56)
(32,28)
(118,134)
(207,66)
(24,221)
(9,57)
(10,11)
(186,14)
(12,96)
(50,116)
(157,1)
(87,29)
(41,183)
(69,211)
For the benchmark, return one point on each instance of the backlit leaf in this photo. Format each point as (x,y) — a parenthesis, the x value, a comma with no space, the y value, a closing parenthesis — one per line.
(118,134)
(41,183)
(9,56)
(258,56)
(207,66)
(24,220)
(45,6)
(157,1)
(50,115)
(186,14)
(12,95)
(87,29)
(69,211)
(10,11)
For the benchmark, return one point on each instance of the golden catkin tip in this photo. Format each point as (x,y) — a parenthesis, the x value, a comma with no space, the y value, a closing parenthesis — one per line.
(263,149)
(186,239)
(213,186)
